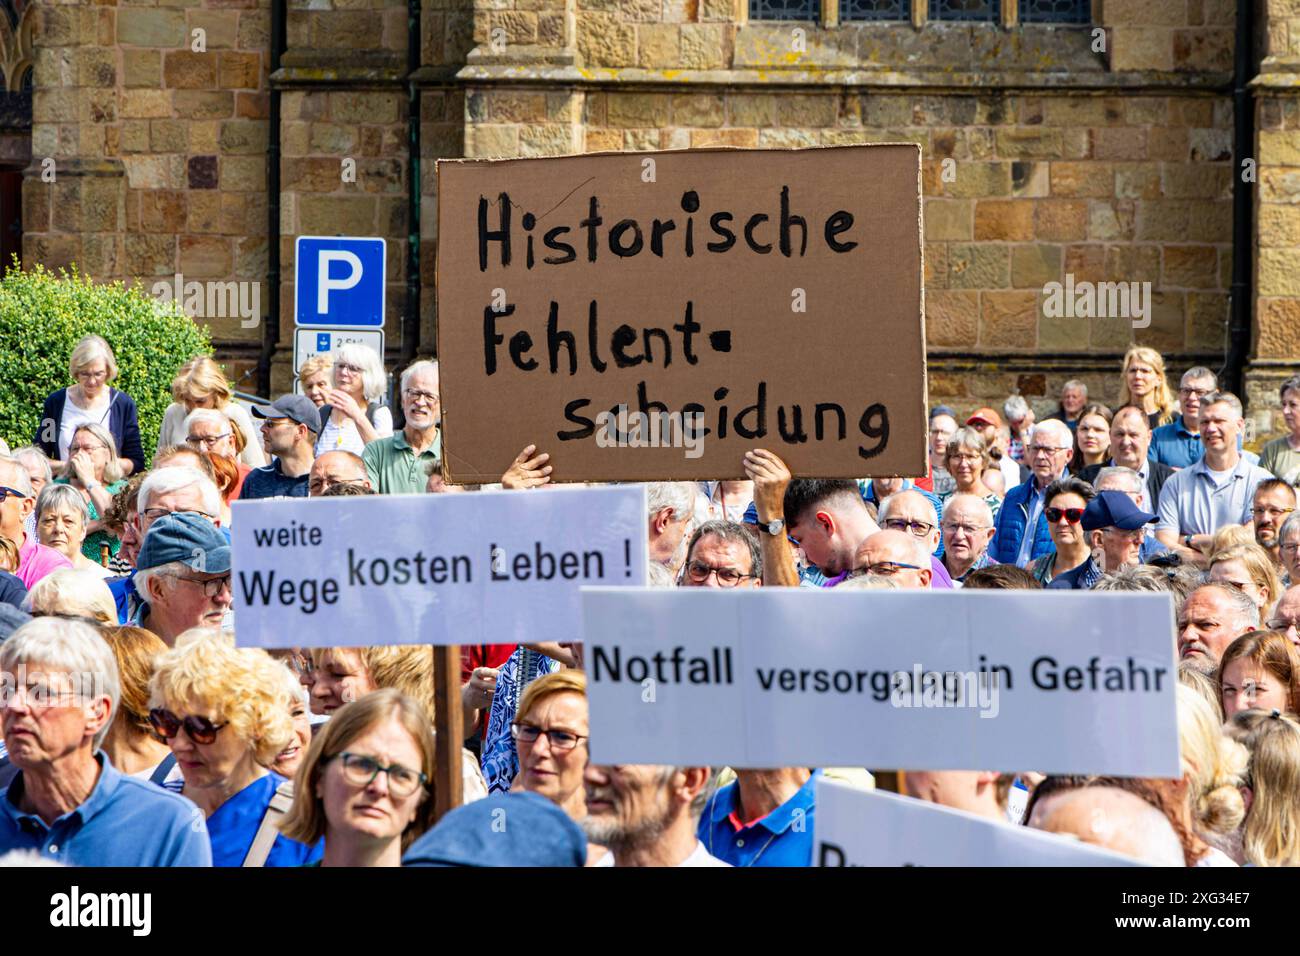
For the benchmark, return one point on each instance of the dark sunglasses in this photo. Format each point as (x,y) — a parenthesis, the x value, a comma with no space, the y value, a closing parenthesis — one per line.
(168,725)
(1072,515)
(7,492)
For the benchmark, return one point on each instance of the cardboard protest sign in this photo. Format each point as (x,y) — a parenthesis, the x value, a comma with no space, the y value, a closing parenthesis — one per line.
(482,568)
(646,316)
(1058,682)
(854,827)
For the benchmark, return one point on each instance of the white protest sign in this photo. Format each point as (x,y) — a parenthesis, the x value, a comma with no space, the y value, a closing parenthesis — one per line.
(854,827)
(474,568)
(1058,682)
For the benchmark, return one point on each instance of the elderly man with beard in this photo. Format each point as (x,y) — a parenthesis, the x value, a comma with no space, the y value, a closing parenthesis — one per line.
(1273,505)
(1212,617)
(1285,618)
(402,462)
(647,815)
(967,527)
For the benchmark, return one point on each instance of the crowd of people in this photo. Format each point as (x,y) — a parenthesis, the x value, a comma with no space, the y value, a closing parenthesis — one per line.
(135,732)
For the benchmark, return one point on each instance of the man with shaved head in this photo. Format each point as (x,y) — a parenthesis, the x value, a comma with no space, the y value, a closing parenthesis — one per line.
(1111,818)
(967,529)
(897,555)
(914,513)
(1212,617)
(336,468)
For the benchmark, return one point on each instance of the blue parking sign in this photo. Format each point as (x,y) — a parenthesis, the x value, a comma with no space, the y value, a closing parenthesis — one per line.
(339,282)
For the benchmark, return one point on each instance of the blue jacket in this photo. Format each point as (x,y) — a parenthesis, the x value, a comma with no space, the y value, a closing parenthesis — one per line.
(1012,518)
(123,425)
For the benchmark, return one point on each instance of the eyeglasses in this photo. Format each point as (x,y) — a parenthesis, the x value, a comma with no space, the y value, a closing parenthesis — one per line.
(91,376)
(885,569)
(918,529)
(7,492)
(727,577)
(211,586)
(318,485)
(360,770)
(153,514)
(560,739)
(276,422)
(206,440)
(415,396)
(1195,392)
(168,725)
(1072,515)
(966,529)
(1047,449)
(89,449)
(1271,512)
(347,367)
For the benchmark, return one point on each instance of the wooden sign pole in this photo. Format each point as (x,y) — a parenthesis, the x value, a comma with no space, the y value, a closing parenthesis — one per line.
(449,730)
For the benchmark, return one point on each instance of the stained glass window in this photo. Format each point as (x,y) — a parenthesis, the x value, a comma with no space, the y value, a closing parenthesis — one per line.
(875,10)
(785,9)
(963,9)
(1055,11)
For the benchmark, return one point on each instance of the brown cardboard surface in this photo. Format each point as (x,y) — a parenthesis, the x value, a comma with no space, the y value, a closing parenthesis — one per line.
(720,328)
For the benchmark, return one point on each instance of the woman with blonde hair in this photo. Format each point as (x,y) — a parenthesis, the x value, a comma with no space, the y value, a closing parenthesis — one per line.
(94,471)
(1214,769)
(366,785)
(225,713)
(555,707)
(92,400)
(352,417)
(131,744)
(340,675)
(1145,385)
(200,384)
(1271,836)
(316,378)
(1249,569)
(68,592)
(1260,670)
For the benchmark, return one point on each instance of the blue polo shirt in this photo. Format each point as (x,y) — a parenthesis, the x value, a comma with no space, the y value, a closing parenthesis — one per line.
(124,822)
(270,481)
(1175,446)
(234,824)
(782,838)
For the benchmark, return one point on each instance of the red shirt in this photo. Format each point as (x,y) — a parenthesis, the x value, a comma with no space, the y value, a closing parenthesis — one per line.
(482,655)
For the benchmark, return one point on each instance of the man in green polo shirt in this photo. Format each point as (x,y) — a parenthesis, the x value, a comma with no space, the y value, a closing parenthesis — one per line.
(400,464)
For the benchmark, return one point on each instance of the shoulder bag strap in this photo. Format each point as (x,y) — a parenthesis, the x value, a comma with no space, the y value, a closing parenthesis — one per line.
(280,803)
(163,769)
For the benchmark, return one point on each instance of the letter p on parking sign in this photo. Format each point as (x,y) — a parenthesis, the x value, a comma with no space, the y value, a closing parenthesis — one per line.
(339,282)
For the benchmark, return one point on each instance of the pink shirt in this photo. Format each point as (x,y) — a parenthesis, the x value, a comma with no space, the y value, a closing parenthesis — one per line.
(35,561)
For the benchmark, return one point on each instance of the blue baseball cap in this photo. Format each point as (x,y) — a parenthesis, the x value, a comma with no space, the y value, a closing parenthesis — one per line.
(296,408)
(1114,509)
(505,829)
(189,538)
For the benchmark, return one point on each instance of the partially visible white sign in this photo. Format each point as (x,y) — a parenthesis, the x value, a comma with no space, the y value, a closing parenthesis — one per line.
(854,827)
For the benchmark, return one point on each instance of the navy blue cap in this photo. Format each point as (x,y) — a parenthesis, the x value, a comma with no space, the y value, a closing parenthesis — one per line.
(298,408)
(1114,509)
(189,538)
(505,829)
(943,410)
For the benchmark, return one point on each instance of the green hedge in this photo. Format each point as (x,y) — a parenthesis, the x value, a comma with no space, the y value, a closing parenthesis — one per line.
(42,316)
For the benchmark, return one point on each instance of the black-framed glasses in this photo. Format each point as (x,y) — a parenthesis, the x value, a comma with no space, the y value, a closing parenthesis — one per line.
(417,395)
(699,572)
(167,725)
(361,770)
(560,739)
(1072,515)
(211,586)
(918,529)
(317,485)
(885,569)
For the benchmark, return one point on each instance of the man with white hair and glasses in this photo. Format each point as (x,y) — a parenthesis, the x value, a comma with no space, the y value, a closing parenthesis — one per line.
(68,803)
(1022,533)
(402,462)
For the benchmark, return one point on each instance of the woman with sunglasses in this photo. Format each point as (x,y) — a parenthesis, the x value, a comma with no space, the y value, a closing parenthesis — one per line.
(225,713)
(1064,503)
(366,784)
(352,417)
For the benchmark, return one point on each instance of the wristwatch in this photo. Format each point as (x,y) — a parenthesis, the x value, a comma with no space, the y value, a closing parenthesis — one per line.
(1187,540)
(773,527)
